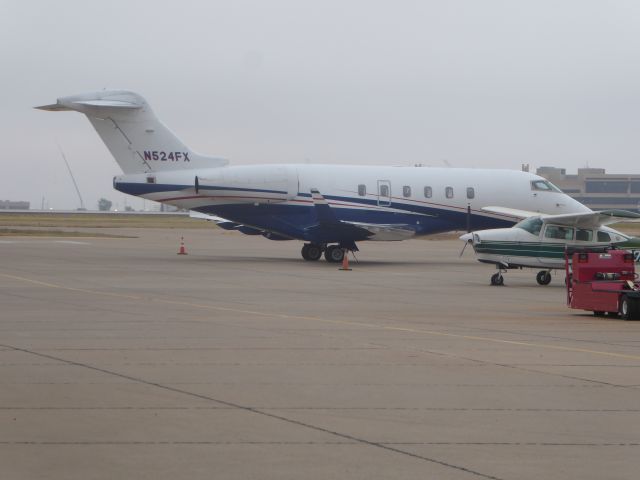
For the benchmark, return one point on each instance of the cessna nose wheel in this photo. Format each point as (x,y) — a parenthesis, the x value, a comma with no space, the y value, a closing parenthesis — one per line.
(543,277)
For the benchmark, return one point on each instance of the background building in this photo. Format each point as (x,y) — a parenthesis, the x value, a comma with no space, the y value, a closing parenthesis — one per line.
(597,189)
(9,205)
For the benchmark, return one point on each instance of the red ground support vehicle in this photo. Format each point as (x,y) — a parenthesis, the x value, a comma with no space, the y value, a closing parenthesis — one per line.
(603,281)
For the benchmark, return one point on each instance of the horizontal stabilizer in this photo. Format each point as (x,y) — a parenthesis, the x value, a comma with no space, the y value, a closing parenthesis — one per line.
(109,104)
(54,107)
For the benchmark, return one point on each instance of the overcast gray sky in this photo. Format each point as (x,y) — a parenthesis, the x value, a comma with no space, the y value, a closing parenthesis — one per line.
(475,83)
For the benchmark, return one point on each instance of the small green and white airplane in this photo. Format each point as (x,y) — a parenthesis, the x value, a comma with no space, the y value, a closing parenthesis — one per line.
(539,241)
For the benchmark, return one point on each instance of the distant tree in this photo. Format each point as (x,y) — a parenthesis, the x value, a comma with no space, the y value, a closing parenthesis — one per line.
(104,205)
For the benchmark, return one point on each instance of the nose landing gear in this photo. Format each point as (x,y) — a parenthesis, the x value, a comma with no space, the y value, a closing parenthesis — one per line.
(543,277)
(497,279)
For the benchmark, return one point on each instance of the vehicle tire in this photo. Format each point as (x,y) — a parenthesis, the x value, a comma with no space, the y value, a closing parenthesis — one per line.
(334,254)
(497,279)
(625,309)
(311,252)
(543,277)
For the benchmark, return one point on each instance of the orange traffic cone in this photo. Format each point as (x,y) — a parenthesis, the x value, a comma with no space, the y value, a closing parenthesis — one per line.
(182,250)
(345,261)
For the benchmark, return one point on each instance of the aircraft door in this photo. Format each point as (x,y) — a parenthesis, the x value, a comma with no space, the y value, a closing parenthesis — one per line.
(384,193)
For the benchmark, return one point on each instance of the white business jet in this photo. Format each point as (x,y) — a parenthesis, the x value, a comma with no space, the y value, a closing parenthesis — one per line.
(539,241)
(329,207)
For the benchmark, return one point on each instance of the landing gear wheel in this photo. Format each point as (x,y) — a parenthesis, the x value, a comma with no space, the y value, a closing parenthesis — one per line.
(626,308)
(311,252)
(497,279)
(543,277)
(334,254)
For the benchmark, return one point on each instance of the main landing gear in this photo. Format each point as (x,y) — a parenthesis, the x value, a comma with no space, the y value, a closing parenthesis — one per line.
(311,251)
(332,253)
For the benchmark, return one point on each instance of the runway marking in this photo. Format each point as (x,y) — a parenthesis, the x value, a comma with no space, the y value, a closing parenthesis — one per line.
(218,308)
(264,413)
(71,242)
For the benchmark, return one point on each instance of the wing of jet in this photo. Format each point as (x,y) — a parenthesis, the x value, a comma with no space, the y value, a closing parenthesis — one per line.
(229,225)
(511,212)
(330,226)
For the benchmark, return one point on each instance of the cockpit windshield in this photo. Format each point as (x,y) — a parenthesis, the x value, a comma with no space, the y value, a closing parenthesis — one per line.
(532,225)
(544,186)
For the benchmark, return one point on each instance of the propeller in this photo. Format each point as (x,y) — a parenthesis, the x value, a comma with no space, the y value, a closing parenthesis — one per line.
(468,239)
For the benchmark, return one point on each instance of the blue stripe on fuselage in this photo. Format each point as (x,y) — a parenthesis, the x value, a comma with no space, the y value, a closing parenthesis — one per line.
(146,188)
(293,220)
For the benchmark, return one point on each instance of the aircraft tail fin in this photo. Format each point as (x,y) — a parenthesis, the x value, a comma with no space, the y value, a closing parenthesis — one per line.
(133,134)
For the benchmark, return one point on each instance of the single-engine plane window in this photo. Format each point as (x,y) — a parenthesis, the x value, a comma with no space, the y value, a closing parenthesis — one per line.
(583,235)
(532,225)
(151,179)
(604,237)
(406,191)
(449,192)
(471,193)
(384,190)
(558,232)
(544,186)
(428,192)
(362,190)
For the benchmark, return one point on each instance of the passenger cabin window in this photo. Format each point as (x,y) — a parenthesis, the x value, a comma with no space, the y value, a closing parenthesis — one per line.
(151,179)
(532,225)
(471,193)
(406,191)
(362,190)
(583,235)
(384,190)
(428,192)
(557,232)
(544,186)
(448,192)
(604,237)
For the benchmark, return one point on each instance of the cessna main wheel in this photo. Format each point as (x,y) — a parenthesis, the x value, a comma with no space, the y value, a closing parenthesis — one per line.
(497,279)
(543,277)
(311,251)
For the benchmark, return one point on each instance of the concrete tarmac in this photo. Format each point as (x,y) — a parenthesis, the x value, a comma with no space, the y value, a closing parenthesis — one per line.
(121,359)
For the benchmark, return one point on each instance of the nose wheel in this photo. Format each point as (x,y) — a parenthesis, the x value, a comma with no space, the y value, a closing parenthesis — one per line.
(497,279)
(543,277)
